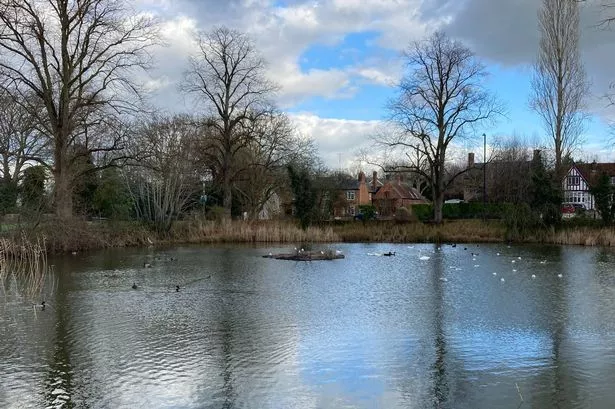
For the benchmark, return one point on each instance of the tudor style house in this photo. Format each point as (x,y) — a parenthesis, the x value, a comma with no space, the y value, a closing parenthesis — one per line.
(579,179)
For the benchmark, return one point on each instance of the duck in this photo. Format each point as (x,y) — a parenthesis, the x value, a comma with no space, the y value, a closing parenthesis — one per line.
(147,265)
(41,305)
(390,253)
(176,288)
(134,286)
(533,276)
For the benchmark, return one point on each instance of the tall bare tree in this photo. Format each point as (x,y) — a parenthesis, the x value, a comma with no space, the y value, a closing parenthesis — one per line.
(163,179)
(79,59)
(228,77)
(20,144)
(559,82)
(261,169)
(441,98)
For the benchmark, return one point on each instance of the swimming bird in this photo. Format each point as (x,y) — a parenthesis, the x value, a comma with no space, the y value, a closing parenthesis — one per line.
(514,271)
(41,306)
(502,279)
(389,253)
(454,244)
(519,257)
(533,275)
(497,254)
(443,279)
(513,261)
(134,286)
(176,288)
(147,265)
(495,274)
(560,275)
(543,262)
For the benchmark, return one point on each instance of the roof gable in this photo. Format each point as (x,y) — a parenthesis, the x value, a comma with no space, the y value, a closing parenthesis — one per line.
(592,171)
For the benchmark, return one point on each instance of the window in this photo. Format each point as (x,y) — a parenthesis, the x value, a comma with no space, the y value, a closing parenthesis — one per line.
(350,195)
(612,180)
(574,180)
(352,210)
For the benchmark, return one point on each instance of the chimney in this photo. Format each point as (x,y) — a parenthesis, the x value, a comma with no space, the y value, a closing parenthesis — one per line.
(374,181)
(470,160)
(361,177)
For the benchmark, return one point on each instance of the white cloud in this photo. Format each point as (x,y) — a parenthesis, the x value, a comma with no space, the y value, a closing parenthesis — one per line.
(283,34)
(339,141)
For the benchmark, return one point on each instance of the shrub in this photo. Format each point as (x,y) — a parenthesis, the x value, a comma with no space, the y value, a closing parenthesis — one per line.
(404,215)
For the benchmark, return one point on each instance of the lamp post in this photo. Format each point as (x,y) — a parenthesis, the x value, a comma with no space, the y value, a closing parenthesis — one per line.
(484,176)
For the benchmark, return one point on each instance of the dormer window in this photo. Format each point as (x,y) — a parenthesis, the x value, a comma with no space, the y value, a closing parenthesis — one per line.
(350,195)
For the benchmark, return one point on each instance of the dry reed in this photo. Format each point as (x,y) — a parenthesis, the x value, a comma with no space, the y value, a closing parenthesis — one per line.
(452,231)
(203,231)
(26,262)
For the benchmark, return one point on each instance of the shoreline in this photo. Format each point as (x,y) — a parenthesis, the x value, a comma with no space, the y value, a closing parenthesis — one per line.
(82,236)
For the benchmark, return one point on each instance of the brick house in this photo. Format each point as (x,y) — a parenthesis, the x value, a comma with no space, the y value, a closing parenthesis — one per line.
(352,193)
(394,194)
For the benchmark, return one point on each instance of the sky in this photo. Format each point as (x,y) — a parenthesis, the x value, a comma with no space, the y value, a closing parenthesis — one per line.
(338,61)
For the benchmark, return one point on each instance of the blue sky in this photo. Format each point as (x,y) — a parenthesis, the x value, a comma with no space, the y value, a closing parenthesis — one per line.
(337,61)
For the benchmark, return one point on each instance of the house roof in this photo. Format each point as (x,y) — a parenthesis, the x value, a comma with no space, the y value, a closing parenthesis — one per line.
(399,190)
(591,171)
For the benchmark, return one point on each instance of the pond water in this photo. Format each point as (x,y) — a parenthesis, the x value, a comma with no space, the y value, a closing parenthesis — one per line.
(427,328)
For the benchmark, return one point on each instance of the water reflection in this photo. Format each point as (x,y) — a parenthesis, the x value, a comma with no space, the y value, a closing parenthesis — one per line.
(431,327)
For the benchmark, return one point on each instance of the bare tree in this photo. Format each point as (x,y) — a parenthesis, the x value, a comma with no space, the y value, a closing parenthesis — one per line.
(228,77)
(20,144)
(559,83)
(79,59)
(441,98)
(163,179)
(261,167)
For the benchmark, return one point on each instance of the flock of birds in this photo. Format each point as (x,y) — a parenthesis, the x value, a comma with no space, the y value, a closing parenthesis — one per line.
(134,286)
(474,256)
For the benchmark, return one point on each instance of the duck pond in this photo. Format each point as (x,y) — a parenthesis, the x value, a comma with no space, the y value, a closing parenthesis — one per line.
(429,327)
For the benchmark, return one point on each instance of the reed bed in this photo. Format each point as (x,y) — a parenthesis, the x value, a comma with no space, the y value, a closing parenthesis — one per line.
(582,236)
(203,231)
(25,261)
(450,231)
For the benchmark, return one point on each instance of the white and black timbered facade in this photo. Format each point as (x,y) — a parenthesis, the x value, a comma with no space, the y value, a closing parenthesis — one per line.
(580,178)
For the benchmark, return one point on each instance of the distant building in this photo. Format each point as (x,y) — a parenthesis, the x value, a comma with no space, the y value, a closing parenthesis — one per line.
(507,181)
(580,178)
(394,194)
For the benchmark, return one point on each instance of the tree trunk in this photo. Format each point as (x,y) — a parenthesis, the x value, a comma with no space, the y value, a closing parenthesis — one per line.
(227,194)
(438,202)
(63,194)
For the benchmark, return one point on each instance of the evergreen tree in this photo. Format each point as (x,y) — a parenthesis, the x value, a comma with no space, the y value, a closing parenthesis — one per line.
(603,195)
(546,197)
(33,188)
(304,193)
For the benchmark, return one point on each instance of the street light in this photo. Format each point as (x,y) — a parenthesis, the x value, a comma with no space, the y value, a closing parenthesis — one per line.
(484,176)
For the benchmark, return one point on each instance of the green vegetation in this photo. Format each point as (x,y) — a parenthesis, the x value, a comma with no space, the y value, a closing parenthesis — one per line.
(603,194)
